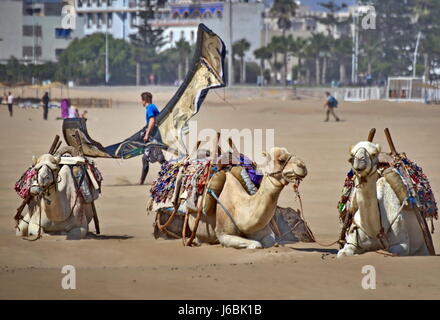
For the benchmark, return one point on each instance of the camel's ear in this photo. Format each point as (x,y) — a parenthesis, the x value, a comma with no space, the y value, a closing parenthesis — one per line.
(350,148)
(34,160)
(378,148)
(284,156)
(266,155)
(57,159)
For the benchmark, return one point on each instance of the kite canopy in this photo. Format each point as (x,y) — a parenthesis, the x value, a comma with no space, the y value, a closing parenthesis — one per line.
(207,72)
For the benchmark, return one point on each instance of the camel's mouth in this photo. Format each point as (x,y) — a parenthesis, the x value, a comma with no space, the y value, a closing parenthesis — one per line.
(292,176)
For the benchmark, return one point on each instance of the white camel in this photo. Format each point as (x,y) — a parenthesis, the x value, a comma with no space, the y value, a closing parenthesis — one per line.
(245,222)
(380,221)
(56,206)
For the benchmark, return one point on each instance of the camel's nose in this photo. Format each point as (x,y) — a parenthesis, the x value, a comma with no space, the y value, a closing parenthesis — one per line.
(359,164)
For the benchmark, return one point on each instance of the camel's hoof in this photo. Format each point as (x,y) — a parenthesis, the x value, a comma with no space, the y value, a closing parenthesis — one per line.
(255,246)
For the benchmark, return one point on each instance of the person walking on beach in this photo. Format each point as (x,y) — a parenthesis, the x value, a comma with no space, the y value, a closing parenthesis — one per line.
(331,103)
(45,101)
(10,103)
(151,153)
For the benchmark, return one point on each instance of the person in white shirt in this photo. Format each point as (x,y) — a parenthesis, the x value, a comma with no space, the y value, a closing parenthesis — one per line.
(10,103)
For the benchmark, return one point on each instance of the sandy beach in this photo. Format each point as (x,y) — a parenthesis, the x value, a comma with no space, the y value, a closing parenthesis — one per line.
(126,262)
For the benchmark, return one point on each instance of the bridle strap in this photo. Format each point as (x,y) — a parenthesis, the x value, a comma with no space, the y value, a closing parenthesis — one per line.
(282,168)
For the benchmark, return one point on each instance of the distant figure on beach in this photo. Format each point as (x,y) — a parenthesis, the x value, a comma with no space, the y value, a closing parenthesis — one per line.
(10,103)
(73,112)
(64,109)
(331,103)
(45,101)
(84,115)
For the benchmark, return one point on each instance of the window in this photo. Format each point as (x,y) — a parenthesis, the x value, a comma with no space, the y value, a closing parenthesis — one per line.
(219,14)
(99,20)
(109,3)
(192,35)
(89,20)
(80,3)
(171,36)
(109,20)
(27,31)
(61,33)
(28,51)
(59,52)
(182,34)
(133,19)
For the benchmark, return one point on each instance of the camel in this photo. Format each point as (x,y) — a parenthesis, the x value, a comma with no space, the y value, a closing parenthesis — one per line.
(242,220)
(56,207)
(380,220)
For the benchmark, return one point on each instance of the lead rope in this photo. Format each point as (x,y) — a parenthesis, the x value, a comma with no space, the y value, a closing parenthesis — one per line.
(309,232)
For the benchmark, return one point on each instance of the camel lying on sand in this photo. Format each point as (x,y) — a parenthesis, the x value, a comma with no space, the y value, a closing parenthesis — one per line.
(380,220)
(242,220)
(56,206)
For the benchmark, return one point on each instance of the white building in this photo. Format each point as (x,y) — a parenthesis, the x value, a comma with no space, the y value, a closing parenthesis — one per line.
(31,31)
(178,18)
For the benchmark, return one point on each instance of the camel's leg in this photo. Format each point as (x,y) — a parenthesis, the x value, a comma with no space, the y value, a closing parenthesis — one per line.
(22,230)
(352,247)
(34,224)
(265,236)
(82,227)
(399,238)
(347,251)
(238,242)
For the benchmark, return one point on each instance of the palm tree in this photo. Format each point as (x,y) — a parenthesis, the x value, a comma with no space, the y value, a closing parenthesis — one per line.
(239,49)
(342,50)
(276,46)
(297,49)
(317,43)
(263,54)
(184,50)
(284,11)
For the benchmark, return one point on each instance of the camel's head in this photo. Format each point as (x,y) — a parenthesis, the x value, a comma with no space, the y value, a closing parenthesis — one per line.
(284,166)
(47,168)
(364,158)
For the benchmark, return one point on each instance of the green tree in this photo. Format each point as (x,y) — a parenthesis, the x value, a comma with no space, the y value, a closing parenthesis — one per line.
(147,41)
(276,45)
(342,51)
(263,54)
(394,38)
(331,20)
(284,11)
(183,48)
(297,49)
(426,13)
(318,43)
(84,61)
(239,48)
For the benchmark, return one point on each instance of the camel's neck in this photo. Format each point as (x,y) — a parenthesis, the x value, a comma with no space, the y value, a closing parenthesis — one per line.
(366,197)
(265,201)
(59,208)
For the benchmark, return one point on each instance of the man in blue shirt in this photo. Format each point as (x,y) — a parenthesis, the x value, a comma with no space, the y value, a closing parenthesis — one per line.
(331,103)
(152,153)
